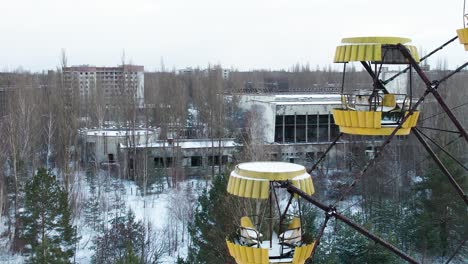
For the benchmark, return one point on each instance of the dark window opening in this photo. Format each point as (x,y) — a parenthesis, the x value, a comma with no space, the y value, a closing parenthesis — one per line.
(196,161)
(158,162)
(110,158)
(214,160)
(279,129)
(319,154)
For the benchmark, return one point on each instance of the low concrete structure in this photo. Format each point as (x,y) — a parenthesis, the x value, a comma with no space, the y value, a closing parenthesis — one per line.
(101,145)
(196,157)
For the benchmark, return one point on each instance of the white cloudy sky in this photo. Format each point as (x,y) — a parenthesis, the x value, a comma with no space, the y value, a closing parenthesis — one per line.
(244,34)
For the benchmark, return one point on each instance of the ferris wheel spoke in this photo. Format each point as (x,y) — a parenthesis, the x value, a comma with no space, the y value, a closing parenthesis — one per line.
(441,166)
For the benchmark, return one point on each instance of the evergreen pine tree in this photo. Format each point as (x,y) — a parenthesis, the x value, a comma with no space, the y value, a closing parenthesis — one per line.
(122,243)
(440,214)
(93,210)
(46,221)
(213,222)
(346,245)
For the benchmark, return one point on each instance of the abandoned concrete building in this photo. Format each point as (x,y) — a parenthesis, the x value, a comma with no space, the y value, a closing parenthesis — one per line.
(187,157)
(101,146)
(289,127)
(294,127)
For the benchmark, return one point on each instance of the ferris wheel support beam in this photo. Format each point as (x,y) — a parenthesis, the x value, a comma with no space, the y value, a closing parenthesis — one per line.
(377,81)
(331,212)
(441,165)
(432,88)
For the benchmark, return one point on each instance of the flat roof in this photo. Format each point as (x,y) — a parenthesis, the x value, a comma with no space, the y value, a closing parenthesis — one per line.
(116,132)
(189,144)
(299,99)
(307,103)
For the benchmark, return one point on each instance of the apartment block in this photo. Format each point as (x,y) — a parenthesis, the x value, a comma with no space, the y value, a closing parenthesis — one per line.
(109,83)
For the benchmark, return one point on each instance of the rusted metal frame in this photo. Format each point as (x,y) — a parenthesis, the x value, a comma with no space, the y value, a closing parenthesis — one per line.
(441,166)
(456,251)
(373,75)
(333,213)
(443,150)
(378,153)
(344,77)
(283,215)
(281,222)
(277,203)
(420,60)
(410,87)
(320,234)
(432,88)
(326,152)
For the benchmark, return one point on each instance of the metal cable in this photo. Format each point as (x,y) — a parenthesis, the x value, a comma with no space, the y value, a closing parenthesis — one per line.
(443,150)
(453,108)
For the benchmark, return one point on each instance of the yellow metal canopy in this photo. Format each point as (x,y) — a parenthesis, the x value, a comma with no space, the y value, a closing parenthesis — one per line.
(463,37)
(252,179)
(370,49)
(380,40)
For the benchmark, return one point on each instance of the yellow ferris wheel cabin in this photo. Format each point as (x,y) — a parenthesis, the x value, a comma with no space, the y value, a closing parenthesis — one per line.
(277,234)
(463,32)
(375,111)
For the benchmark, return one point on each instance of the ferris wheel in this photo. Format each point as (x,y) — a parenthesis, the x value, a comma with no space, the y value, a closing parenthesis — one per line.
(377,111)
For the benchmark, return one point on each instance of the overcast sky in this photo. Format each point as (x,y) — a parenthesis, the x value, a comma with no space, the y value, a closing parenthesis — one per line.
(243,34)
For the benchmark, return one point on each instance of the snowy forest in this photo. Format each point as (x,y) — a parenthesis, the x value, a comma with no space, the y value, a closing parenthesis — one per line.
(57,207)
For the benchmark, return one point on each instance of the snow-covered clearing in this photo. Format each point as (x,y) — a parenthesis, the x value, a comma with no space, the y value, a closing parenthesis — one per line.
(167,212)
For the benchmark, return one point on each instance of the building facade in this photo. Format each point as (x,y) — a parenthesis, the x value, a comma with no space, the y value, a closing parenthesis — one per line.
(101,146)
(188,157)
(108,83)
(295,128)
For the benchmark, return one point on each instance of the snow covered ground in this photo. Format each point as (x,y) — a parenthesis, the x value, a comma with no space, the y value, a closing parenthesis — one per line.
(156,209)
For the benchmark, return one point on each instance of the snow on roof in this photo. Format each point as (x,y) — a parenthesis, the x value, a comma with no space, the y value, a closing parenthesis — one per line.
(307,102)
(270,167)
(303,96)
(116,133)
(189,144)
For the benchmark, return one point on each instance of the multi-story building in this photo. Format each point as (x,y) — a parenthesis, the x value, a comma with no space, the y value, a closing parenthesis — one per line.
(110,82)
(4,96)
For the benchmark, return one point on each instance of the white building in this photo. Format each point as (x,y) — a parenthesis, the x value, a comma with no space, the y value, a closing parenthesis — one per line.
(291,118)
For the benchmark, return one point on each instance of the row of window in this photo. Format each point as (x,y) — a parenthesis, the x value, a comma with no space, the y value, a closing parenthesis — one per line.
(302,128)
(195,161)
(102,73)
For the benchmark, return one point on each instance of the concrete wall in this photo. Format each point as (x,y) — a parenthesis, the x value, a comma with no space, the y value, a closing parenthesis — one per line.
(100,143)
